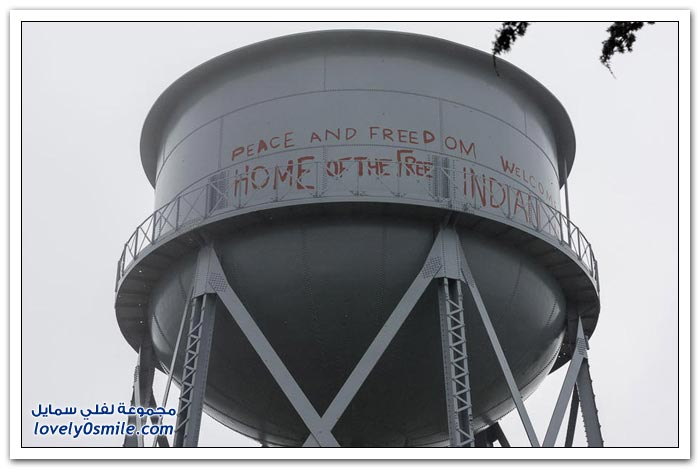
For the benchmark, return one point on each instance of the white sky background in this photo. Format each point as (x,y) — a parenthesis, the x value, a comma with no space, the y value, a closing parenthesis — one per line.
(86,89)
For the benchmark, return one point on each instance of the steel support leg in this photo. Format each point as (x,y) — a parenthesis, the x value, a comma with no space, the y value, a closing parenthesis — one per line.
(577,358)
(450,267)
(483,439)
(142,394)
(591,424)
(577,385)
(455,363)
(157,420)
(486,438)
(194,375)
(500,436)
(170,371)
(571,427)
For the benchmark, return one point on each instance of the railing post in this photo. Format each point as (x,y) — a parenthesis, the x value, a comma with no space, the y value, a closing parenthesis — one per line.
(398,178)
(317,194)
(119,273)
(578,231)
(153,227)
(274,183)
(507,198)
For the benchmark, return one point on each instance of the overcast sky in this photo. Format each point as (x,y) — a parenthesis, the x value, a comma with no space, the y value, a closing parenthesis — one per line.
(86,89)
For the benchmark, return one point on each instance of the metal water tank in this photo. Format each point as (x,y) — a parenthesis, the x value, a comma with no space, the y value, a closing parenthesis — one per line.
(321,165)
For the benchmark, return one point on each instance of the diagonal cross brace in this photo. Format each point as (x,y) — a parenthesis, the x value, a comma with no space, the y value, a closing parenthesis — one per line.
(584,385)
(577,386)
(496,345)
(217,282)
(439,263)
(571,426)
(432,266)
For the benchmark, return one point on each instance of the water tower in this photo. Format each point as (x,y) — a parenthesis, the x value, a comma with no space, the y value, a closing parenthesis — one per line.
(358,241)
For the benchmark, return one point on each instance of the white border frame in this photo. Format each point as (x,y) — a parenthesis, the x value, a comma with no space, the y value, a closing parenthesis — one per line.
(17,16)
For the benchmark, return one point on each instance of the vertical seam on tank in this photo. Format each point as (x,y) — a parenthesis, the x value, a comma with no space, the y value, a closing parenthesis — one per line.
(159,326)
(440,121)
(382,278)
(163,333)
(551,313)
(324,174)
(509,305)
(221,141)
(182,287)
(306,277)
(324,72)
(525,121)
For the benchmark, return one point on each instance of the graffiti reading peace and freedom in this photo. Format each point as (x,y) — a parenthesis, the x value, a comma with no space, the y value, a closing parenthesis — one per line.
(374,135)
(362,159)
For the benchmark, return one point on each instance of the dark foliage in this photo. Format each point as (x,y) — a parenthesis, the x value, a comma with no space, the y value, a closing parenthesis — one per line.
(506,36)
(621,37)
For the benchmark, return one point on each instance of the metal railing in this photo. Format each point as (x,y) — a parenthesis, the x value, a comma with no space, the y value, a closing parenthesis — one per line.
(444,182)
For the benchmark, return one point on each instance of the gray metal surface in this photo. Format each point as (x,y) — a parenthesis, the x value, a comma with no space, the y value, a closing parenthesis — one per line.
(381,341)
(380,78)
(350,272)
(321,166)
(445,261)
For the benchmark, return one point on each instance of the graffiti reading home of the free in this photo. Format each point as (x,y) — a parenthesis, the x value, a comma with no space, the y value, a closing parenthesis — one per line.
(383,153)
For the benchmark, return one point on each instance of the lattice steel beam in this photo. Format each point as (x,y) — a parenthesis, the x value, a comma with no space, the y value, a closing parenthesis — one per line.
(195,367)
(455,363)
(446,262)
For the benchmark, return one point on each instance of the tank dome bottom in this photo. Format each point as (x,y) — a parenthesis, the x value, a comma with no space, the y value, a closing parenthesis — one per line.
(320,285)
